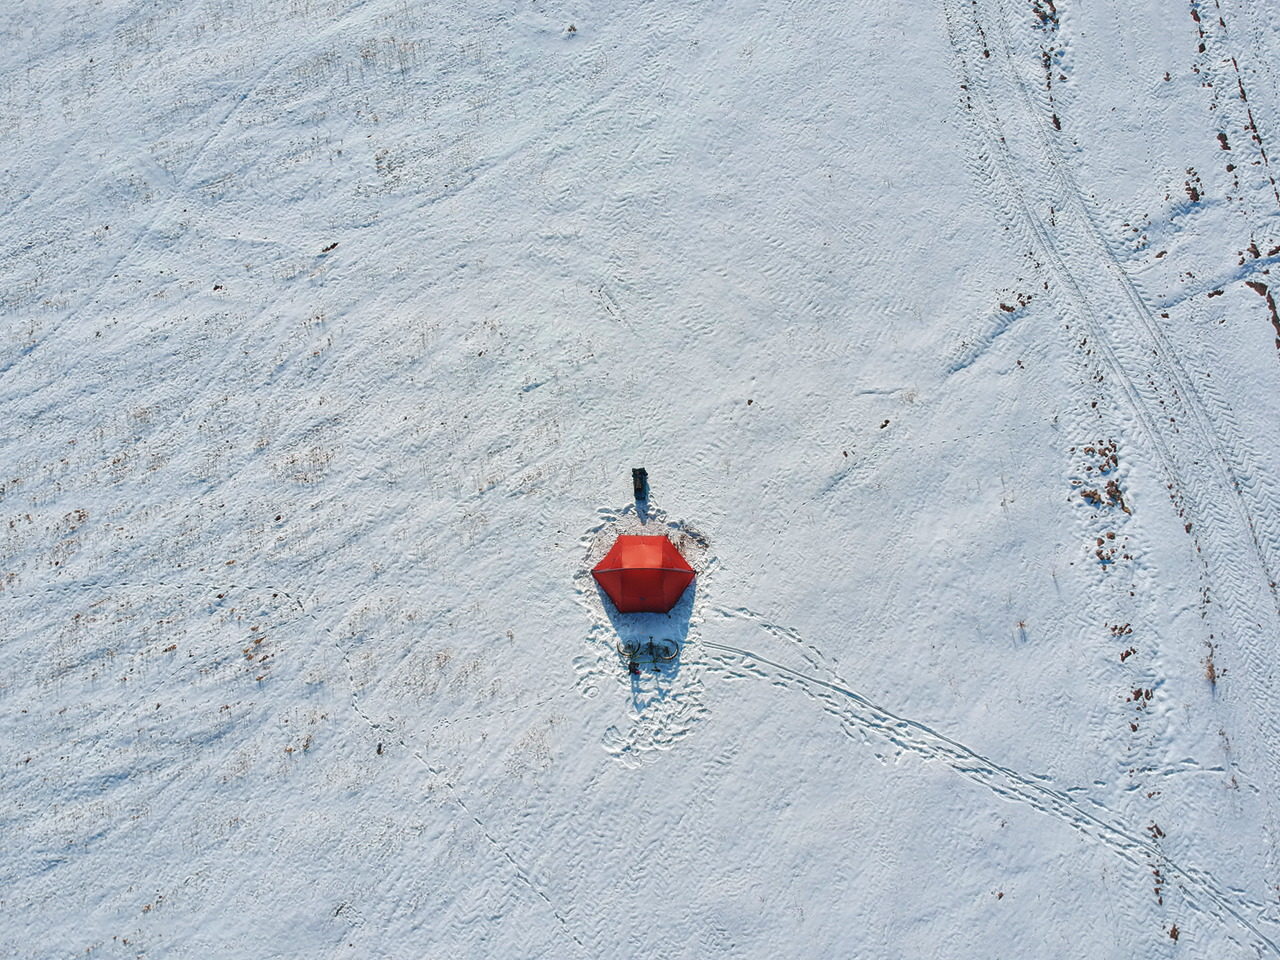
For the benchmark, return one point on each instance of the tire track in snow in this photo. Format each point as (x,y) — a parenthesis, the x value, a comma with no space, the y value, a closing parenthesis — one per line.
(1212,428)
(1250,126)
(857,711)
(1208,493)
(1201,481)
(1001,164)
(1183,388)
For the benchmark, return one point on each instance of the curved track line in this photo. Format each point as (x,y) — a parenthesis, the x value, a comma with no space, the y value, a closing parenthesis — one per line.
(521,873)
(1183,388)
(1201,484)
(923,740)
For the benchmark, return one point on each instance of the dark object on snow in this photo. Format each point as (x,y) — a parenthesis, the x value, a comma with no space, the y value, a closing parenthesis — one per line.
(643,574)
(640,481)
(651,650)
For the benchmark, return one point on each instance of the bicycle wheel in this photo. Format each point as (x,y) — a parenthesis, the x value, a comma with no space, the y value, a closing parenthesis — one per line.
(666,649)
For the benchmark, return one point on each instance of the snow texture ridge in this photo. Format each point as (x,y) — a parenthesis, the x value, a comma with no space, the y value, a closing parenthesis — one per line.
(331,330)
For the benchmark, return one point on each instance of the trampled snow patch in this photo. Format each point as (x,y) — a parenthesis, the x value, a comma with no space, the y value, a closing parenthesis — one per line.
(327,327)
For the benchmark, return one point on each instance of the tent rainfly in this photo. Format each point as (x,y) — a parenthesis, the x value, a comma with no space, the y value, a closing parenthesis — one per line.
(643,574)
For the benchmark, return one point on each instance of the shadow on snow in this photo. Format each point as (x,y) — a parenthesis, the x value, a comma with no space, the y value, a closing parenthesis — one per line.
(649,646)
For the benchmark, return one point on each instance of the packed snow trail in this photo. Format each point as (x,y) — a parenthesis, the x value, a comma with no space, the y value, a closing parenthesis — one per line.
(926,742)
(381,301)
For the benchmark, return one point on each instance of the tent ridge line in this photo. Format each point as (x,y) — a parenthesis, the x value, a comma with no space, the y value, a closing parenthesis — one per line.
(655,569)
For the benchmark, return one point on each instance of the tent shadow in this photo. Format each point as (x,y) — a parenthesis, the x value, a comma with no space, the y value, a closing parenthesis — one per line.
(650,646)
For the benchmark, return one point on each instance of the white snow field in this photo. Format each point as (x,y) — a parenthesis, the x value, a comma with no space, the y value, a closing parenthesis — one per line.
(330,331)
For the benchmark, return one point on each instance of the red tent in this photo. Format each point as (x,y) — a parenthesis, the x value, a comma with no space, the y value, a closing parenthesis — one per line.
(643,574)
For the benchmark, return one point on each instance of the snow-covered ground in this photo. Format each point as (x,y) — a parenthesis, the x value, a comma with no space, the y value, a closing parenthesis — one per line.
(330,331)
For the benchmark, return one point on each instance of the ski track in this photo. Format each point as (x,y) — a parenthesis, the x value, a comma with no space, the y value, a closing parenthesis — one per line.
(856,712)
(1202,486)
